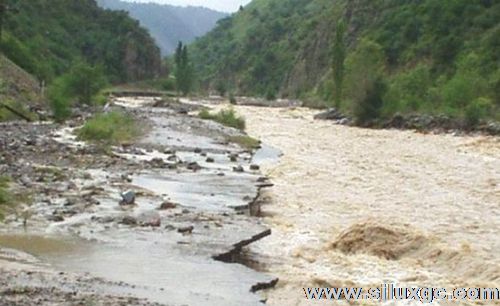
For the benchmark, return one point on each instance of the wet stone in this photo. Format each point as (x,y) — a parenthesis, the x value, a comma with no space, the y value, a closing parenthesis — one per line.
(210,160)
(186,229)
(254,167)
(194,166)
(128,220)
(238,169)
(128,198)
(157,163)
(167,205)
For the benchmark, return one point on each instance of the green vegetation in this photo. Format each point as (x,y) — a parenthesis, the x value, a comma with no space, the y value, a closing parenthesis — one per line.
(46,38)
(339,54)
(429,56)
(5,196)
(183,70)
(226,117)
(6,115)
(81,84)
(110,128)
(246,142)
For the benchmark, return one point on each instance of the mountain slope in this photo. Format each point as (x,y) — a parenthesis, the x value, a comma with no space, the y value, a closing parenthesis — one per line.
(46,37)
(169,24)
(285,47)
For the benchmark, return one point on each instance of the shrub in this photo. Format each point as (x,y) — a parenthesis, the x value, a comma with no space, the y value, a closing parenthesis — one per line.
(85,81)
(271,95)
(4,195)
(408,91)
(168,84)
(59,99)
(370,106)
(82,83)
(364,81)
(226,117)
(476,110)
(110,128)
(232,99)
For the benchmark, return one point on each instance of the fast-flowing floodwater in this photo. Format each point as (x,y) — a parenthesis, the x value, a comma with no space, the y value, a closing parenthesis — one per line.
(360,207)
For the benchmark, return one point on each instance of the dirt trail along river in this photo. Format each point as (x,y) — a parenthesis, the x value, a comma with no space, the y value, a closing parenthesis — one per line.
(360,207)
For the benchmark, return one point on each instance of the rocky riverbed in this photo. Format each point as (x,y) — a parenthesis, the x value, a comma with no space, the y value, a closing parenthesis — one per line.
(159,220)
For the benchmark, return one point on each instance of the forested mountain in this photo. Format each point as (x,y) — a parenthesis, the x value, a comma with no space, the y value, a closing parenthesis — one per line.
(169,24)
(425,55)
(46,37)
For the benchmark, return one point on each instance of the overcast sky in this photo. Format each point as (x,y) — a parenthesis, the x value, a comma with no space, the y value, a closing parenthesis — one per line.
(219,5)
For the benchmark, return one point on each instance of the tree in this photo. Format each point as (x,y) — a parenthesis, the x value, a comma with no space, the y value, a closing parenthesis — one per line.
(183,69)
(365,80)
(3,11)
(339,54)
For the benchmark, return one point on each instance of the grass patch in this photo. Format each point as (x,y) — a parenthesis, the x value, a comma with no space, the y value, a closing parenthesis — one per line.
(226,117)
(246,142)
(5,196)
(110,128)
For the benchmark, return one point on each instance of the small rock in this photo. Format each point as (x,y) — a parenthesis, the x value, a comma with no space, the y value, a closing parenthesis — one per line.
(128,198)
(26,181)
(344,121)
(197,150)
(170,227)
(167,205)
(149,219)
(254,167)
(186,229)
(233,158)
(128,220)
(221,174)
(210,160)
(157,162)
(55,218)
(125,177)
(194,166)
(238,169)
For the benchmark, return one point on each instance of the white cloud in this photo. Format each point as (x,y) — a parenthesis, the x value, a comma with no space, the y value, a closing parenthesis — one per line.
(220,5)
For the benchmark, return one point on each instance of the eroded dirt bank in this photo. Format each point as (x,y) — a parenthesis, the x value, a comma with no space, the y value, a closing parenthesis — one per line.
(362,207)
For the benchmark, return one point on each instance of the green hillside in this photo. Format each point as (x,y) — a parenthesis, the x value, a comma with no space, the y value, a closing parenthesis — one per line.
(414,56)
(45,38)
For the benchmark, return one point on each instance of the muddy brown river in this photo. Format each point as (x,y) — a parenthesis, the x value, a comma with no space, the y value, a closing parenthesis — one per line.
(359,207)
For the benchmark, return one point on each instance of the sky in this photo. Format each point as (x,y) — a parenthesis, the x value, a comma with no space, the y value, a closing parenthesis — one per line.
(219,5)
